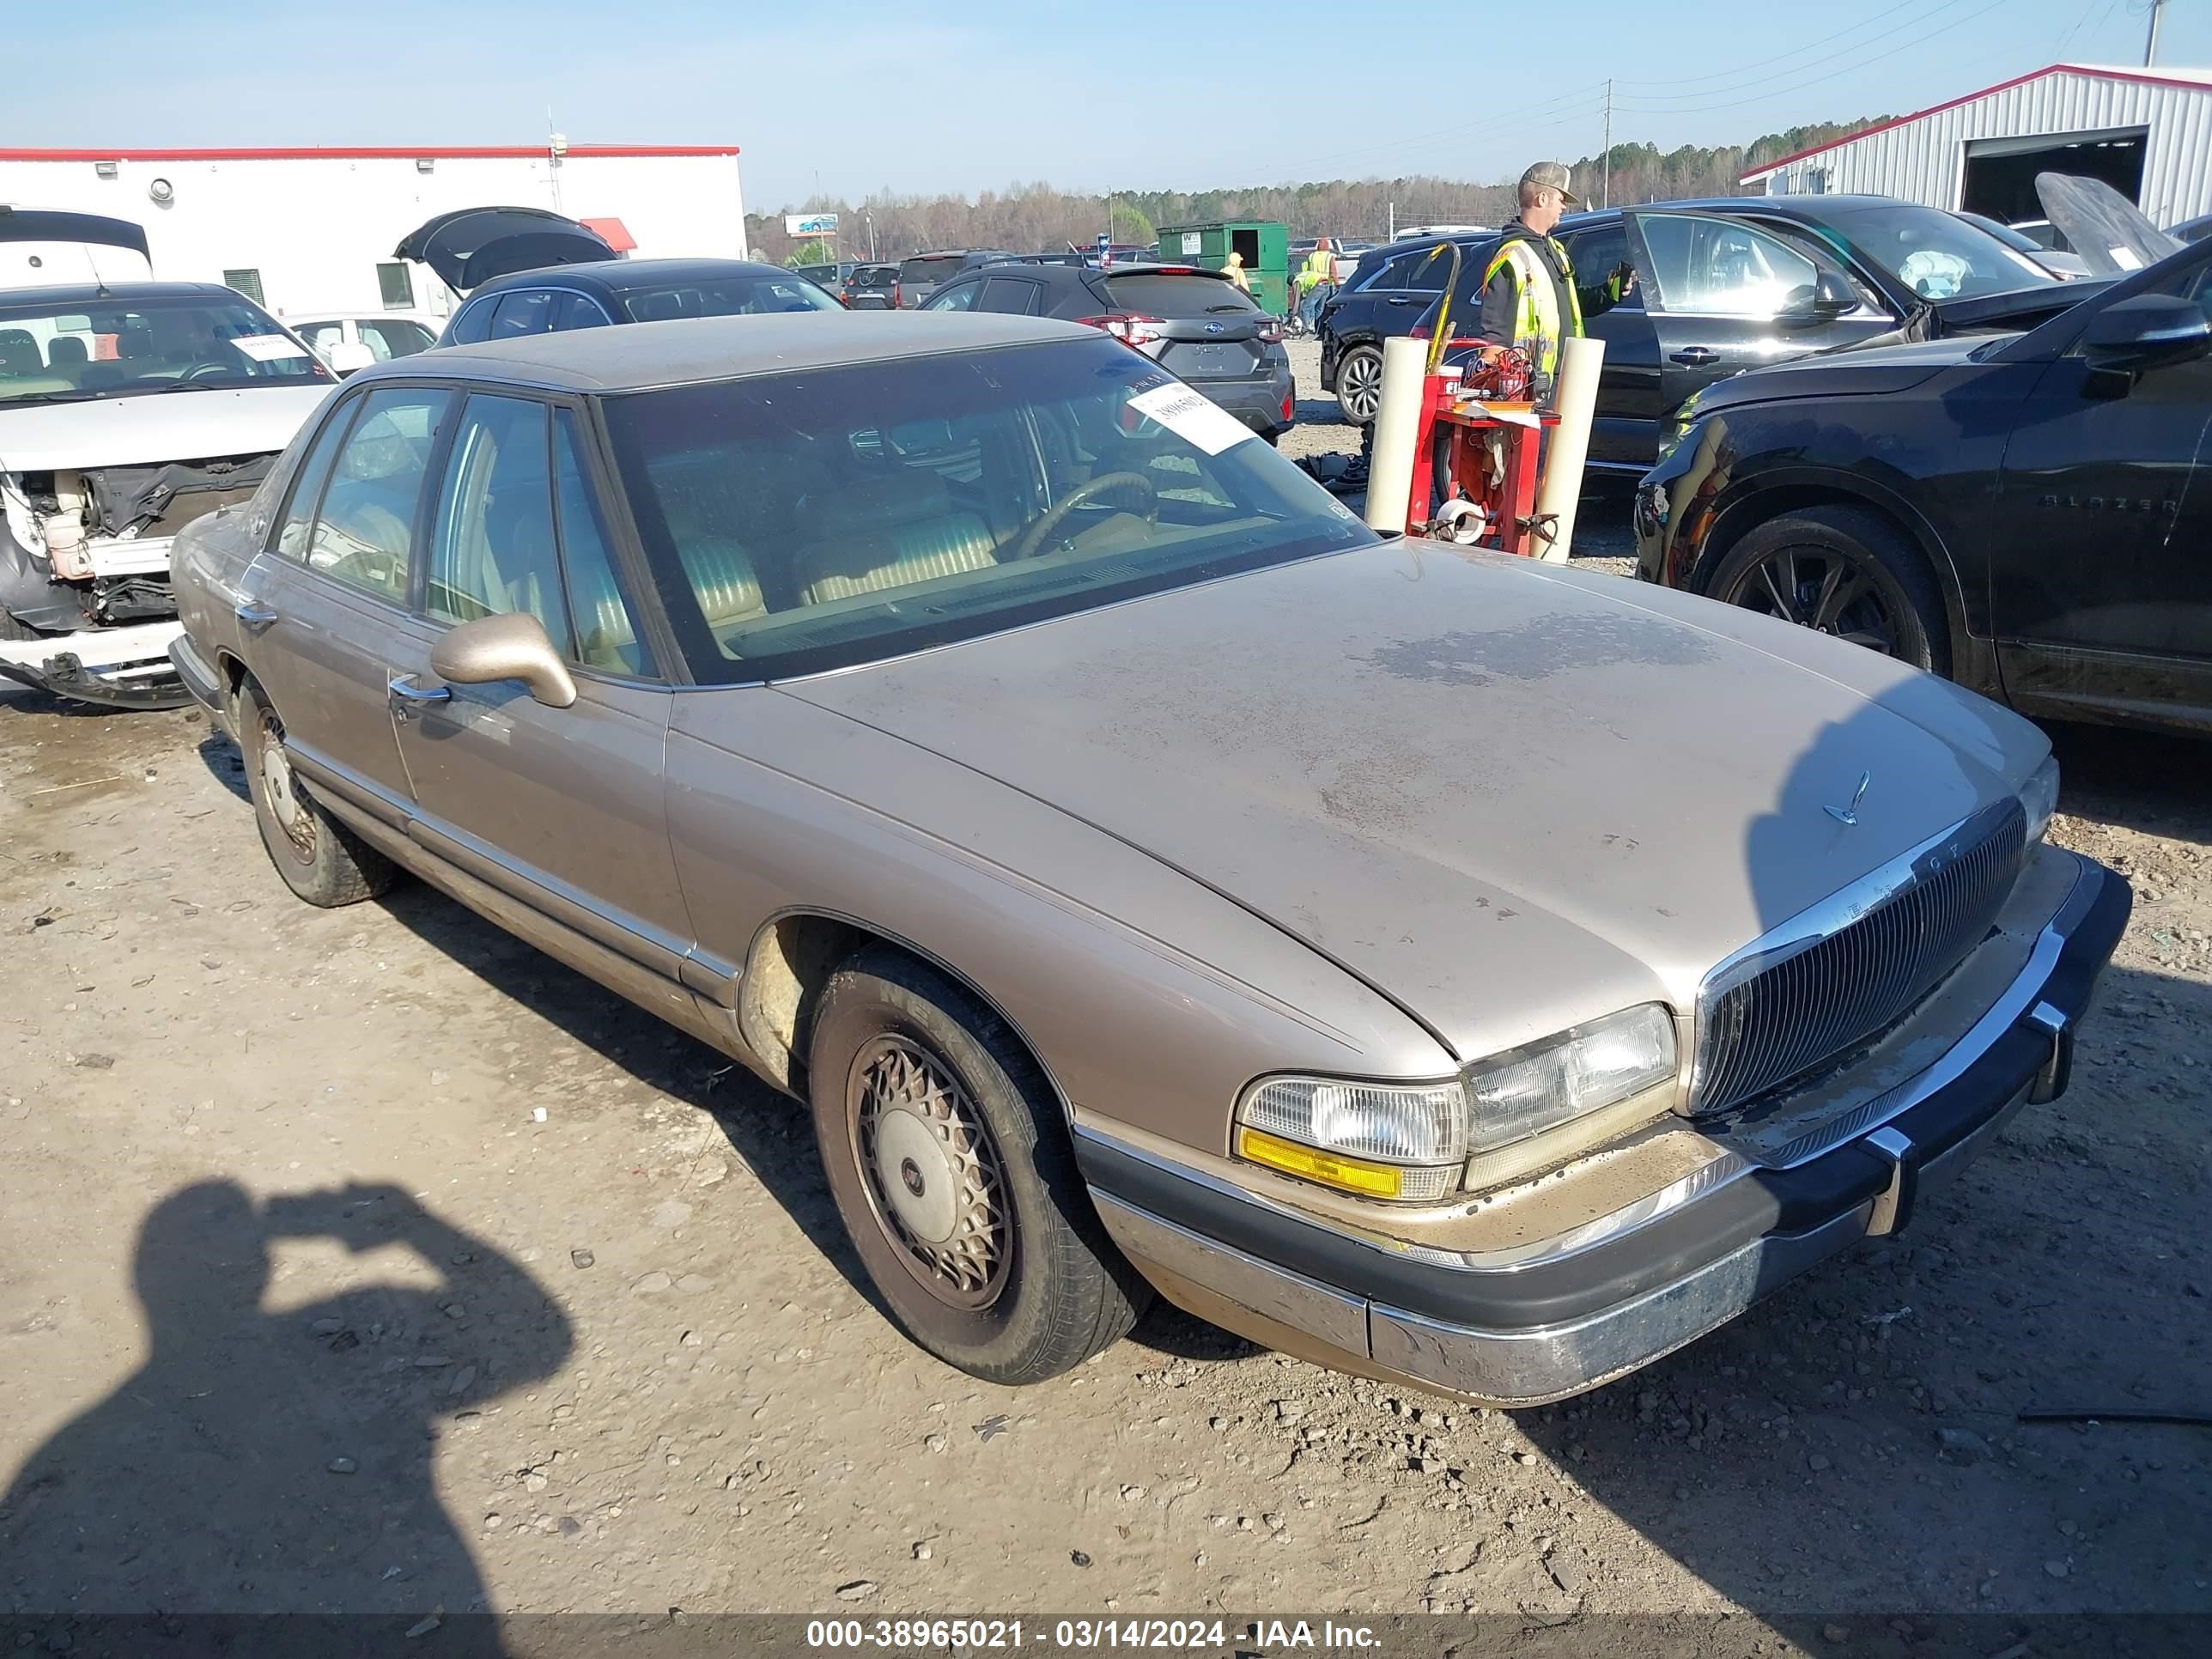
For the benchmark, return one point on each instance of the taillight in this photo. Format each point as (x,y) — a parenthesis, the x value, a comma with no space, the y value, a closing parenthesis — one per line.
(1271,331)
(1290,407)
(894,297)
(1128,328)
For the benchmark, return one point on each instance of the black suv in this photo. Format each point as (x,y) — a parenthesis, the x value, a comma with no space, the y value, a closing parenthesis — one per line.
(2029,514)
(920,274)
(1721,286)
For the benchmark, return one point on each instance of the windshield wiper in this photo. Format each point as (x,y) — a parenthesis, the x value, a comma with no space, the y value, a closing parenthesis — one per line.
(49,398)
(191,385)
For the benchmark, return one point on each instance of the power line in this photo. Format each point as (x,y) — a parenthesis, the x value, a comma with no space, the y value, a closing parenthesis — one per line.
(1839,63)
(1772,93)
(1799,51)
(1590,95)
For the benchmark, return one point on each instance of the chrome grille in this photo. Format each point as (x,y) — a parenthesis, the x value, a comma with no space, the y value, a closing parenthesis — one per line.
(1808,992)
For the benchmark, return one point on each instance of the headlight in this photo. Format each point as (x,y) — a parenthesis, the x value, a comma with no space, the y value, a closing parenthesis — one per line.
(1582,1070)
(2038,799)
(1401,1141)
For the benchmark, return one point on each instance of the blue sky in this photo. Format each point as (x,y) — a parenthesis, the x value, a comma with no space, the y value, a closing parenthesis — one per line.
(856,95)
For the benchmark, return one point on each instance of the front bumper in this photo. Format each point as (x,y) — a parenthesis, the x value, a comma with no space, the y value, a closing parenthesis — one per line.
(1560,1316)
(126,667)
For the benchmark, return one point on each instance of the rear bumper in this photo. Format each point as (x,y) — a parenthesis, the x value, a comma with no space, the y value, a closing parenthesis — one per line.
(122,667)
(1558,1317)
(198,679)
(1258,403)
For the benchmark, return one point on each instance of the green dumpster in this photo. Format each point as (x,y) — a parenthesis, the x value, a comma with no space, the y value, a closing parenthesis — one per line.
(1265,245)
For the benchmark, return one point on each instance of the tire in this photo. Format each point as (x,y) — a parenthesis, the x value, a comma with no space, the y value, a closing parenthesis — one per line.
(992,1257)
(320,858)
(1847,571)
(1359,383)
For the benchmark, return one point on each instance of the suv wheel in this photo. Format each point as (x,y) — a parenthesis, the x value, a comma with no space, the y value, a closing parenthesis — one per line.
(1841,570)
(1359,383)
(951,1164)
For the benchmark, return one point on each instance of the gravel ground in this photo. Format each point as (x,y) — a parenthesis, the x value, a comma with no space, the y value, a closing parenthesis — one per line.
(368,1260)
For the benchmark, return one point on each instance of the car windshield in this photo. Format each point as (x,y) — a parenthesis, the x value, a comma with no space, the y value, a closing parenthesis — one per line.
(804,521)
(123,347)
(1938,256)
(727,296)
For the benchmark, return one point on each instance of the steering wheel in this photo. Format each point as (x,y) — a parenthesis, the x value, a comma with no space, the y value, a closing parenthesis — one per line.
(1035,537)
(201,371)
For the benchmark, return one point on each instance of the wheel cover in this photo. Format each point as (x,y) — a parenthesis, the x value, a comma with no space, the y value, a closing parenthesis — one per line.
(1360,381)
(934,1181)
(282,792)
(1824,589)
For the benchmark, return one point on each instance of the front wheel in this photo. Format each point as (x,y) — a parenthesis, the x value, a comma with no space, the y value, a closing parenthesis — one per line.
(1360,384)
(952,1169)
(1840,570)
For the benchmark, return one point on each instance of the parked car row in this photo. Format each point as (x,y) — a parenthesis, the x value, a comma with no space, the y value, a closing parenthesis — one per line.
(1721,286)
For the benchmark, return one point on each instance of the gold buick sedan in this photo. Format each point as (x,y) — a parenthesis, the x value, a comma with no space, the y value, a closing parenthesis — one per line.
(1459,969)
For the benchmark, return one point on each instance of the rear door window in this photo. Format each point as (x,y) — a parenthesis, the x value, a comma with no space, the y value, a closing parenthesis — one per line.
(1596,254)
(364,534)
(577,311)
(1012,294)
(925,271)
(526,311)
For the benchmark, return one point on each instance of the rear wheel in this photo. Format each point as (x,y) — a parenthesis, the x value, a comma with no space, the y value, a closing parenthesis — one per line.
(952,1170)
(320,859)
(1840,570)
(1360,384)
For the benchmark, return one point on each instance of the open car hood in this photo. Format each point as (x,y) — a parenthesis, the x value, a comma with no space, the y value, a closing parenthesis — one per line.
(2108,230)
(472,245)
(40,248)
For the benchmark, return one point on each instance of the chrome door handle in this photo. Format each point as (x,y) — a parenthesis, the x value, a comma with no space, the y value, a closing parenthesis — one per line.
(402,693)
(1696,356)
(254,617)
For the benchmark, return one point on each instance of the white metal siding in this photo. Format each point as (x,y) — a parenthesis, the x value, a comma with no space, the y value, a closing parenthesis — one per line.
(316,229)
(1923,160)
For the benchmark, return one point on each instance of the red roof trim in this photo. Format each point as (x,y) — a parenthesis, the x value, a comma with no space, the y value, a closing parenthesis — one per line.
(1761,171)
(370,152)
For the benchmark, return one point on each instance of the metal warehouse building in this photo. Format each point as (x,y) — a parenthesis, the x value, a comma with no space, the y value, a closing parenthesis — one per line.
(313,230)
(2148,133)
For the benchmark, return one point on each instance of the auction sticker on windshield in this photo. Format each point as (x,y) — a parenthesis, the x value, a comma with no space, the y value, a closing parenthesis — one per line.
(268,348)
(1191,417)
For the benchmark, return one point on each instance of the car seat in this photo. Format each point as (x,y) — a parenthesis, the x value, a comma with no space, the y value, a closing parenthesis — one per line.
(892,533)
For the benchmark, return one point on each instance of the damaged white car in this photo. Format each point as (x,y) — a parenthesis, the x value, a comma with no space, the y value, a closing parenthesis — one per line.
(100,466)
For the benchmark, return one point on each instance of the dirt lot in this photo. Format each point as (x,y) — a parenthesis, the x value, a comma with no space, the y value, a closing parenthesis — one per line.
(367,1259)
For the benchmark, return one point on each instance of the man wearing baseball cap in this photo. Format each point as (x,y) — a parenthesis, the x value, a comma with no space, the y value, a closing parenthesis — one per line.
(1529,296)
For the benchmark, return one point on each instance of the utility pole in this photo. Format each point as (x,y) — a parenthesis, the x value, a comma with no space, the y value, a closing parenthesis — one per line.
(2150,46)
(1605,199)
(1391,235)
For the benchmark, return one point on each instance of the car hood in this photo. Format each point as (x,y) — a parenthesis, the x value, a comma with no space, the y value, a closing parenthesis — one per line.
(472,245)
(153,427)
(1511,797)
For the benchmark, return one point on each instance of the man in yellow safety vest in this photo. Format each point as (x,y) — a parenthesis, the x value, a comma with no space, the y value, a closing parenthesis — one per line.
(1529,296)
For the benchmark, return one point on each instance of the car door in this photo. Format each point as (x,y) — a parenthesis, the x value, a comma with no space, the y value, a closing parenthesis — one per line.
(2100,567)
(1723,296)
(325,606)
(560,808)
(1625,427)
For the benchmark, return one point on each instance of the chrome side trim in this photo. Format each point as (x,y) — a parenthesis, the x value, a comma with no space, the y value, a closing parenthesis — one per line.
(1530,1368)
(1260,1287)
(343,782)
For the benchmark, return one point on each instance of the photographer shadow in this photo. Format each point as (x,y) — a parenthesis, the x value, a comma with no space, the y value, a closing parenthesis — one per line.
(273,1462)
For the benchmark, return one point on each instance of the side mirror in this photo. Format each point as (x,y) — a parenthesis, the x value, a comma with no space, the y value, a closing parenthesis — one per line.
(1830,297)
(349,357)
(512,647)
(2146,330)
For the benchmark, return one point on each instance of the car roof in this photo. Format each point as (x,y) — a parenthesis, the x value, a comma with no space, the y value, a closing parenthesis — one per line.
(68,293)
(691,350)
(616,276)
